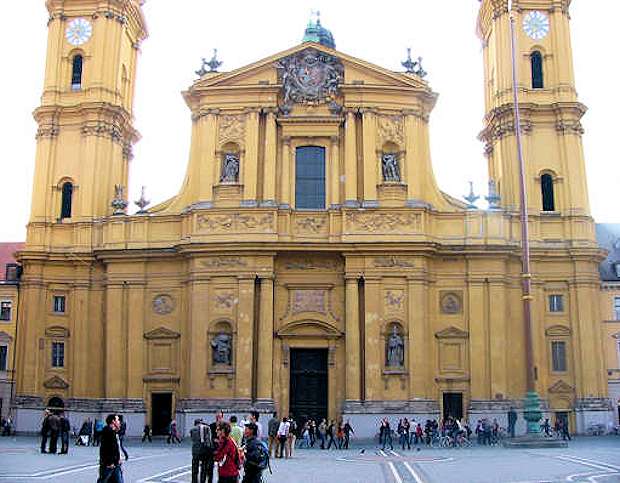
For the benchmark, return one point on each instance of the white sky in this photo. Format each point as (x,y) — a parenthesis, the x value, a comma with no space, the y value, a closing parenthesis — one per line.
(183,31)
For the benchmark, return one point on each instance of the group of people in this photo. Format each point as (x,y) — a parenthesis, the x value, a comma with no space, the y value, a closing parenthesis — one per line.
(560,427)
(55,425)
(230,446)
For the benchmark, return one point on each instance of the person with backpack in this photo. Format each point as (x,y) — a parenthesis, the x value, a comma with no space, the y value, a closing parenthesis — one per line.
(227,455)
(121,436)
(256,455)
(272,431)
(202,450)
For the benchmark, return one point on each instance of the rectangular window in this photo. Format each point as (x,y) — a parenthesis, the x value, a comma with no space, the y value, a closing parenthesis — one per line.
(556,303)
(4,352)
(310,178)
(5,310)
(558,356)
(58,354)
(59,304)
(616,308)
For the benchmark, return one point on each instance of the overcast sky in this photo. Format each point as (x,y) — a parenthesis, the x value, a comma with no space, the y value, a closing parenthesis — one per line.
(183,31)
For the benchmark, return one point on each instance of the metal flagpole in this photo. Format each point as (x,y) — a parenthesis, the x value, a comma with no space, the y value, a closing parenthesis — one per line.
(532,413)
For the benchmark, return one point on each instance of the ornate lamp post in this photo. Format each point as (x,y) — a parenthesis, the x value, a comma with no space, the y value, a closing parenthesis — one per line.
(532,412)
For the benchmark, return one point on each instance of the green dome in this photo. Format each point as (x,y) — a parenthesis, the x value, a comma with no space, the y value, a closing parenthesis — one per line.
(315,32)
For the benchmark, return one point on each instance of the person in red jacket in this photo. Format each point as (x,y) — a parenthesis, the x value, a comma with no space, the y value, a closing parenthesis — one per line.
(227,455)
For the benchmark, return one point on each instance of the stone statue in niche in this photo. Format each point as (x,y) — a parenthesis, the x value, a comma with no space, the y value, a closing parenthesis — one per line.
(389,167)
(395,349)
(222,349)
(230,168)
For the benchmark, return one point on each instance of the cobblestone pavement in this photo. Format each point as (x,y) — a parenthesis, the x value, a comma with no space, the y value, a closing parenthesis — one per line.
(585,460)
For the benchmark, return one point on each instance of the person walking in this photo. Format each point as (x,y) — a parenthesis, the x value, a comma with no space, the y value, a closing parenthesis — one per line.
(406,431)
(173,435)
(387,434)
(65,429)
(512,421)
(219,417)
(330,434)
(564,430)
(348,431)
(272,432)
(292,436)
(54,425)
(109,452)
(226,456)
(256,455)
(283,430)
(236,433)
(45,431)
(146,434)
(200,435)
(323,432)
(121,436)
(97,432)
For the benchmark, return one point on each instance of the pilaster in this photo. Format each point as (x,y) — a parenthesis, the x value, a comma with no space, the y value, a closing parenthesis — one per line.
(371,165)
(250,170)
(334,173)
(285,182)
(245,335)
(265,340)
(374,347)
(353,389)
(269,172)
(350,156)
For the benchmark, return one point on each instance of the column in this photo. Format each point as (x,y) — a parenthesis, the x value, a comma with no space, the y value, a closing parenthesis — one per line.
(411,174)
(245,322)
(352,340)
(350,156)
(269,173)
(334,174)
(420,360)
(285,177)
(113,333)
(208,165)
(250,168)
(265,338)
(498,334)
(135,340)
(478,341)
(199,319)
(369,200)
(374,345)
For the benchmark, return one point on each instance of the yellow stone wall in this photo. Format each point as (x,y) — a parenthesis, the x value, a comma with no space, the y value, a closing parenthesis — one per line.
(146,293)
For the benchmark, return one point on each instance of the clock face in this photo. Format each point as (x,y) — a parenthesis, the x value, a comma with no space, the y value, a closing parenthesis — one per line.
(79,31)
(536,25)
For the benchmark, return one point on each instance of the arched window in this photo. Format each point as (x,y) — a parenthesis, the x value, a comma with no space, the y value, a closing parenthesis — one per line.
(66,201)
(548,197)
(76,73)
(310,177)
(536,61)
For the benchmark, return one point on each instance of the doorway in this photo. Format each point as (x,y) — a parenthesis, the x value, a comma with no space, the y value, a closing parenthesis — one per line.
(308,388)
(452,405)
(161,412)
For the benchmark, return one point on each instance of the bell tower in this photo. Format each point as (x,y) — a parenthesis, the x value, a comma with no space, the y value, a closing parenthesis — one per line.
(550,110)
(85,132)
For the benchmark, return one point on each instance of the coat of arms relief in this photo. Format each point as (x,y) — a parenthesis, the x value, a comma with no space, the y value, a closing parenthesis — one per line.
(310,77)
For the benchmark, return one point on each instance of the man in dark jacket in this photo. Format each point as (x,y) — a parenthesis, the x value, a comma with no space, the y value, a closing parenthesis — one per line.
(219,417)
(65,429)
(110,453)
(252,473)
(512,421)
(45,429)
(54,426)
(202,450)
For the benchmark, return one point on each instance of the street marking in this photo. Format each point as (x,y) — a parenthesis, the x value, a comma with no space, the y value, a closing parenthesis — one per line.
(585,460)
(394,453)
(383,453)
(415,475)
(395,473)
(178,475)
(163,473)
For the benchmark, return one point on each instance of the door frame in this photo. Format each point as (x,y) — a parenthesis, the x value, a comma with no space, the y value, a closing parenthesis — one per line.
(172,405)
(325,353)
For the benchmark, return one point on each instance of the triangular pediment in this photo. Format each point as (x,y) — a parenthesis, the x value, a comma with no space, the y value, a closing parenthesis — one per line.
(162,333)
(355,70)
(309,328)
(561,387)
(55,382)
(452,333)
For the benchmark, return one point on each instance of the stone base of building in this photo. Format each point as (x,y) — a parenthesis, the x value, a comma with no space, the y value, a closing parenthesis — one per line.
(533,442)
(593,411)
(29,412)
(366,416)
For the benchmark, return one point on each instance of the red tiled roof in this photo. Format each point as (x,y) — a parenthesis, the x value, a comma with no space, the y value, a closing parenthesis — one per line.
(7,255)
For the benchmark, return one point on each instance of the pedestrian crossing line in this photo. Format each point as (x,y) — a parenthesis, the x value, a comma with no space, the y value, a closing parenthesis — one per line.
(394,453)
(395,473)
(577,459)
(178,475)
(382,453)
(413,473)
(150,479)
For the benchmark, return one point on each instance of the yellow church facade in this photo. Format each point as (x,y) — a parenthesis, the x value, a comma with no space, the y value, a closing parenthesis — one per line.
(309,264)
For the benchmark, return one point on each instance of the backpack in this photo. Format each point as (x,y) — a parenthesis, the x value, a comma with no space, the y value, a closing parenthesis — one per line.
(208,442)
(260,456)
